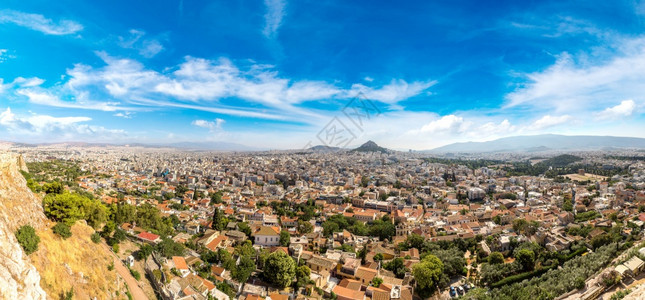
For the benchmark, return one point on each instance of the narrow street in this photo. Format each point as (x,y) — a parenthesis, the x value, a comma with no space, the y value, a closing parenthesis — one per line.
(133,284)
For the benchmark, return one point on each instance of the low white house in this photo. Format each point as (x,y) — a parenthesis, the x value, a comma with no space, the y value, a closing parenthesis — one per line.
(267,236)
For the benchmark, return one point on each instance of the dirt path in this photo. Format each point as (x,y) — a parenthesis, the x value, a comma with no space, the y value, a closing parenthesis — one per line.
(133,285)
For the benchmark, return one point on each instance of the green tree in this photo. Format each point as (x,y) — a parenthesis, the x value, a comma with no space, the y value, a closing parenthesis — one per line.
(519,225)
(65,207)
(285,238)
(397,266)
(496,258)
(144,251)
(226,289)
(96,215)
(376,281)
(378,257)
(303,271)
(244,269)
(216,198)
(53,188)
(526,259)
(169,248)
(244,227)
(245,249)
(567,204)
(415,241)
(119,236)
(302,276)
(427,274)
(226,259)
(63,230)
(279,269)
(383,229)
(219,220)
(453,260)
(27,238)
(304,227)
(124,213)
(600,240)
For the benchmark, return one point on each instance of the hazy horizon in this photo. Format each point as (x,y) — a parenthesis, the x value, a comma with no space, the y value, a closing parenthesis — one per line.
(284,74)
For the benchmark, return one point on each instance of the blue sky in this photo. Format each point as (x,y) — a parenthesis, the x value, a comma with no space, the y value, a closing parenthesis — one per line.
(285,74)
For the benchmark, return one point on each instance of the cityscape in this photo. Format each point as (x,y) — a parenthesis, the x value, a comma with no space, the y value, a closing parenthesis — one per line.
(285,150)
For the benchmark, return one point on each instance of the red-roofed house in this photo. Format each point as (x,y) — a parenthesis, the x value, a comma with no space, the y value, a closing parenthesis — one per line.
(149,237)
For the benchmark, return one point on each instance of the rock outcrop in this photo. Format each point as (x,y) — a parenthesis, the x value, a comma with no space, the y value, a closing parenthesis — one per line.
(18,206)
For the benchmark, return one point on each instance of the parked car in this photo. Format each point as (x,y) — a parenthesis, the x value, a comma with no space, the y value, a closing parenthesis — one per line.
(453,292)
(460,290)
(466,287)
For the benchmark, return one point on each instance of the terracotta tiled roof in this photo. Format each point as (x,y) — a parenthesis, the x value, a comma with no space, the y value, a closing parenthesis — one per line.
(180,263)
(147,236)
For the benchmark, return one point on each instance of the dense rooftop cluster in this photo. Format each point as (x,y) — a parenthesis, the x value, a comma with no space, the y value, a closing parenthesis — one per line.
(356,225)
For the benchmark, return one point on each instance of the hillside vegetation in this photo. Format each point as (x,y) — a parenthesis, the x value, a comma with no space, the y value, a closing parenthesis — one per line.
(75,263)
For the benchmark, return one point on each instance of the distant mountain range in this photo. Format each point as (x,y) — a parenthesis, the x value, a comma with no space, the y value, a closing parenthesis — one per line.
(532,143)
(545,142)
(324,148)
(200,146)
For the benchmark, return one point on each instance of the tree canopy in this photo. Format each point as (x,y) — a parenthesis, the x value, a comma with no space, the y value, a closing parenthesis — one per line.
(279,269)
(427,274)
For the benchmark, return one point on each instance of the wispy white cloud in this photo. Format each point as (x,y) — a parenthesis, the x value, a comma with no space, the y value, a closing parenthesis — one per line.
(20,82)
(454,126)
(48,99)
(583,83)
(394,92)
(4,55)
(447,124)
(39,22)
(549,121)
(147,47)
(201,83)
(273,17)
(559,26)
(125,115)
(210,125)
(45,127)
(625,109)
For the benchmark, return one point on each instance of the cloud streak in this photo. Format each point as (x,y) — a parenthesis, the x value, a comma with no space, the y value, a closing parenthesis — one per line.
(147,47)
(40,23)
(202,84)
(549,121)
(273,17)
(45,127)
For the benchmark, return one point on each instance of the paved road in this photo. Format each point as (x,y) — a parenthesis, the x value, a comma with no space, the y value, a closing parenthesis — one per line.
(133,284)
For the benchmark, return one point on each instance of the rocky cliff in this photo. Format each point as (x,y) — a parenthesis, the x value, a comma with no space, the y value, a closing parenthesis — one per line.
(18,206)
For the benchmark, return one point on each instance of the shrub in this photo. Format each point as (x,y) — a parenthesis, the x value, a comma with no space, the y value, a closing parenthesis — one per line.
(135,274)
(96,237)
(111,267)
(27,238)
(157,274)
(63,230)
(520,277)
(69,295)
(115,248)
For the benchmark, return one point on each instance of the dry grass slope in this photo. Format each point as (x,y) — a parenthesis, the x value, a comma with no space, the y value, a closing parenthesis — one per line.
(76,262)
